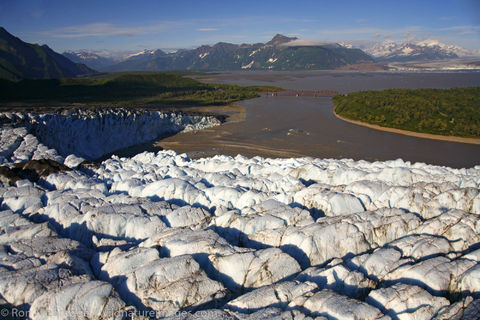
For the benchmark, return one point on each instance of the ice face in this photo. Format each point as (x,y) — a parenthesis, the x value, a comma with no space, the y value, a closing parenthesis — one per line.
(90,134)
(238,238)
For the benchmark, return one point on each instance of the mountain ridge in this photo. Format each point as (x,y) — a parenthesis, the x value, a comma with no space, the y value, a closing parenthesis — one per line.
(430,49)
(275,54)
(20,60)
(91,59)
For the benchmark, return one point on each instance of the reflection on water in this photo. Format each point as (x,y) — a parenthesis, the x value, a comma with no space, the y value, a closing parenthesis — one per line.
(305,126)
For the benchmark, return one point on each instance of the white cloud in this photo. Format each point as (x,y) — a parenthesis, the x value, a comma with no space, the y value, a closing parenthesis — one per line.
(462,29)
(223,29)
(382,35)
(101,29)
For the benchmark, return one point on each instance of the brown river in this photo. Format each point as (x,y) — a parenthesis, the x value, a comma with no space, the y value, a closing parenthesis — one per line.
(285,126)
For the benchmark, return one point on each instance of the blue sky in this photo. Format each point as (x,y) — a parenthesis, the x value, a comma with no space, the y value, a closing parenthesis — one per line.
(135,25)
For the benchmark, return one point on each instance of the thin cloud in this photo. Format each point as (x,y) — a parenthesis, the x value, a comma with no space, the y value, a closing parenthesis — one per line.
(103,29)
(370,31)
(349,31)
(107,29)
(449,18)
(462,29)
(207,29)
(381,35)
(210,40)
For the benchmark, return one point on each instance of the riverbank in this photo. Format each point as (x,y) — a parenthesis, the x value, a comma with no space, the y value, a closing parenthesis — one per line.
(306,126)
(223,139)
(409,133)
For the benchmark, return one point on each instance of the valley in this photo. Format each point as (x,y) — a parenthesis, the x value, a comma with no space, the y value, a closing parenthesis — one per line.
(306,126)
(199,169)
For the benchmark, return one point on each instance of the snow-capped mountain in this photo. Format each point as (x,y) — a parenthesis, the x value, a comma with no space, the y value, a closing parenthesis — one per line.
(90,58)
(145,52)
(459,51)
(99,60)
(280,53)
(422,50)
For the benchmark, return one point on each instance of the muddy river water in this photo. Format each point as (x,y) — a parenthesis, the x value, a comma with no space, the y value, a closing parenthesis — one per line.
(286,126)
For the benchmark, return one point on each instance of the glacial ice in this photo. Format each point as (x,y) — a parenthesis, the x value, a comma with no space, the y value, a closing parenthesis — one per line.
(84,300)
(231,237)
(88,134)
(407,302)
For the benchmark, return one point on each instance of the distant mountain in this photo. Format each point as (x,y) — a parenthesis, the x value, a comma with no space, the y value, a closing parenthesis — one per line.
(19,60)
(90,59)
(280,39)
(392,51)
(100,60)
(137,61)
(280,53)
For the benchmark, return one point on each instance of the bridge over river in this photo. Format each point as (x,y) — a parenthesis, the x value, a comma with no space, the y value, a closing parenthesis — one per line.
(302,93)
(289,126)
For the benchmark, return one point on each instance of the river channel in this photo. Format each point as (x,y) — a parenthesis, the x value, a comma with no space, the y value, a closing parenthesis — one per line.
(286,126)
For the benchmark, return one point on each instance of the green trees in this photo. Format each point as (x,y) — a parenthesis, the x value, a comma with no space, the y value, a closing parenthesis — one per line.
(147,88)
(454,112)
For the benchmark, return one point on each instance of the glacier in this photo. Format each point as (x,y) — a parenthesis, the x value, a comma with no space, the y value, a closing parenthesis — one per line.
(92,133)
(165,236)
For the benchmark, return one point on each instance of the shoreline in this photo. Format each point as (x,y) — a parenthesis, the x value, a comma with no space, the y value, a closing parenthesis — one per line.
(409,133)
